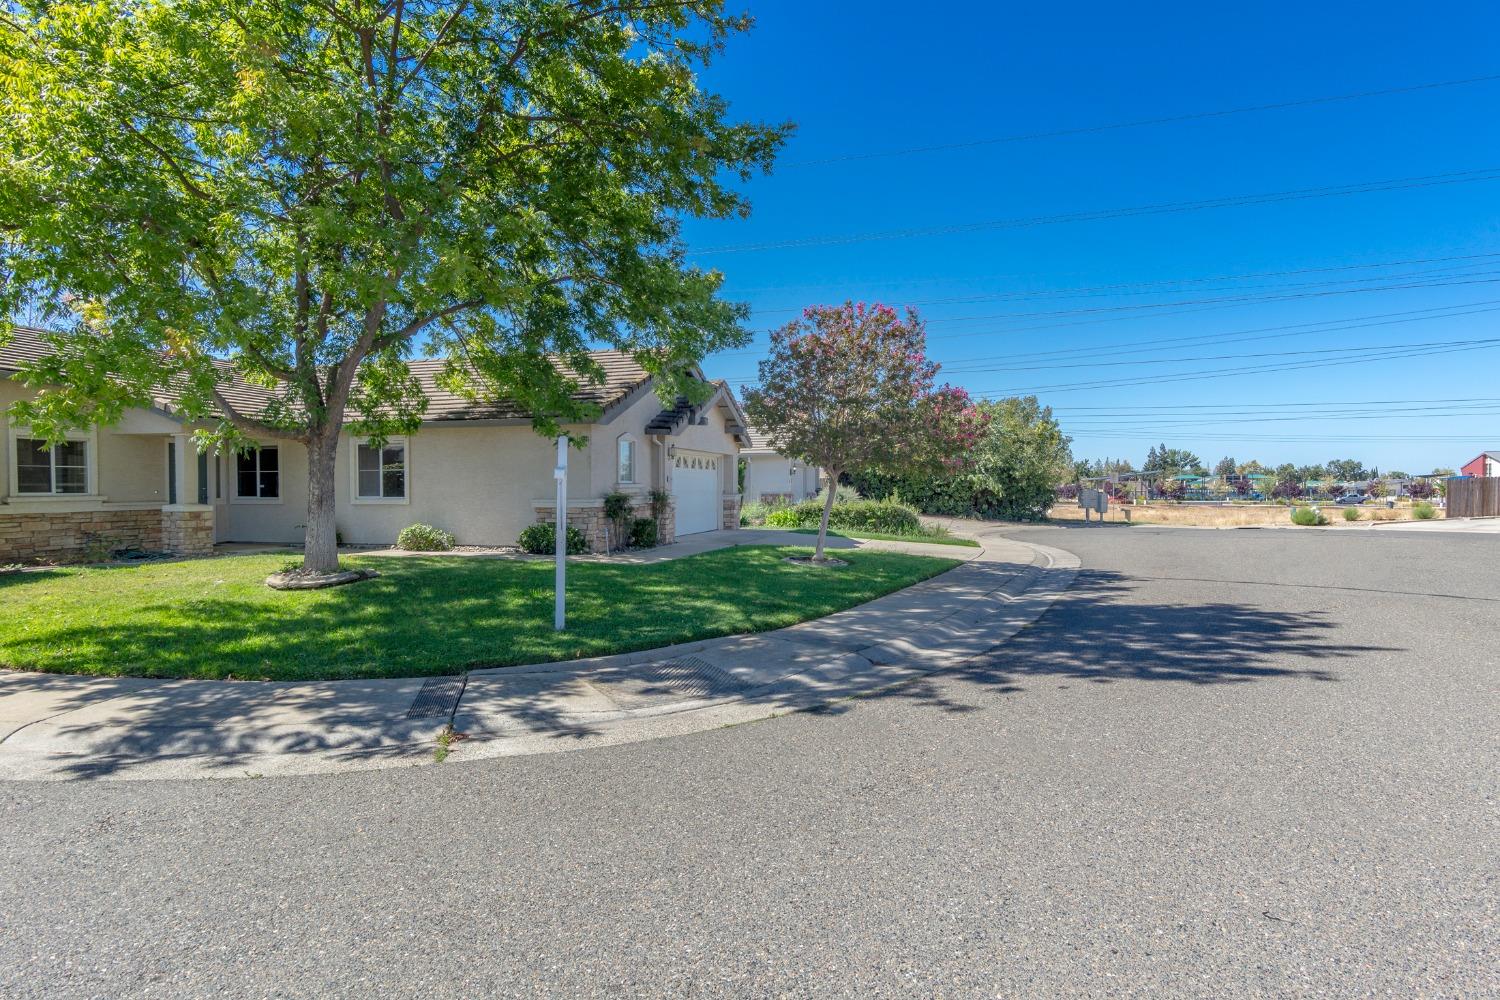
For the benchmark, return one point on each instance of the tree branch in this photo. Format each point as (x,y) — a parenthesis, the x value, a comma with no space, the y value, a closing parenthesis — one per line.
(417,325)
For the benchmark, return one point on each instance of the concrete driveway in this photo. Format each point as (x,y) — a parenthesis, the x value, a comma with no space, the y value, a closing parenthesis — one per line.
(1224,764)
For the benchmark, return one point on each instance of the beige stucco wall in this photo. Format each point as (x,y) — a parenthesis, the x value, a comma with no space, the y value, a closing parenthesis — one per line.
(128,468)
(772,475)
(477,481)
(601,454)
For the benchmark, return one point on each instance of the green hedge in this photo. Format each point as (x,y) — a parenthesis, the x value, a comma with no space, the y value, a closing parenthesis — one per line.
(963,495)
(880,516)
(541,540)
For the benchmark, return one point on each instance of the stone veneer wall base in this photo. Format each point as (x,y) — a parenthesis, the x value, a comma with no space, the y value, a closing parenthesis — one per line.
(79,536)
(588,517)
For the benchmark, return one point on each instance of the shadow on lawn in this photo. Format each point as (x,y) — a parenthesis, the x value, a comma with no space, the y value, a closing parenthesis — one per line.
(1097,632)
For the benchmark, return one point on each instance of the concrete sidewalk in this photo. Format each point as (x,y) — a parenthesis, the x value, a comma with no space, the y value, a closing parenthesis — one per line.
(55,727)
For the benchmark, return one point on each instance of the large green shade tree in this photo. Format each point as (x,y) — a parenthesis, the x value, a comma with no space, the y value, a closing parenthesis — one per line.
(304,193)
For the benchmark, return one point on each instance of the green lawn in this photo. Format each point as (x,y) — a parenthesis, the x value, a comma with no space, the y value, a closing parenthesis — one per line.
(884,537)
(215,618)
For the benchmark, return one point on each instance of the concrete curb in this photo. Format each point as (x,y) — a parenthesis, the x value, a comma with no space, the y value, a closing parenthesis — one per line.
(75,728)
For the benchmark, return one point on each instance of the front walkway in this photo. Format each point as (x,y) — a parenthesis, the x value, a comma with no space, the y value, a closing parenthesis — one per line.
(55,727)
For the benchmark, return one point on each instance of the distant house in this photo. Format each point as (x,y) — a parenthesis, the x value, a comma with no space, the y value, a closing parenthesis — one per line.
(770,475)
(1486,464)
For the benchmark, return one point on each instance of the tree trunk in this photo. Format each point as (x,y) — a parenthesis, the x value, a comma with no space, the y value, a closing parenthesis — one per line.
(321,547)
(833,488)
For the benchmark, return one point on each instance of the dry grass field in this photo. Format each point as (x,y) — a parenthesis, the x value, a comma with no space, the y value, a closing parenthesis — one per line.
(1227,516)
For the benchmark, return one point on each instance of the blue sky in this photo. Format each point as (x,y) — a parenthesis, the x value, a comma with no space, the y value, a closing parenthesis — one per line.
(1063,304)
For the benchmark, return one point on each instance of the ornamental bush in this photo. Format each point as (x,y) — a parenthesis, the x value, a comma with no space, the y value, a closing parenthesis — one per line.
(785,517)
(1286,489)
(541,539)
(424,538)
(1351,513)
(643,533)
(1423,511)
(1307,517)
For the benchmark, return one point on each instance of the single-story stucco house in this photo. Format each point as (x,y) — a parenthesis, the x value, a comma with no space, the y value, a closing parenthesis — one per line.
(477,470)
(770,476)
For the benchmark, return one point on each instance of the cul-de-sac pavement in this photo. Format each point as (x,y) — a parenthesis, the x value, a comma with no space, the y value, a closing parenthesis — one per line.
(1248,762)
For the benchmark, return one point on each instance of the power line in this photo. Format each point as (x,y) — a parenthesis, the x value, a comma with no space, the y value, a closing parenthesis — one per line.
(1164,208)
(1305,328)
(1115,319)
(1224,357)
(1153,287)
(1476,278)
(1137,123)
(1320,403)
(1221,373)
(946,278)
(1169,425)
(1306,438)
(1298,330)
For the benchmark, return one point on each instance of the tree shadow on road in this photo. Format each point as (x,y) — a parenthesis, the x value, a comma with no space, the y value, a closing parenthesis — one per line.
(1099,633)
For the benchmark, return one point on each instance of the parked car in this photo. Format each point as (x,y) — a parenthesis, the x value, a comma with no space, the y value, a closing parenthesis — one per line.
(1350,498)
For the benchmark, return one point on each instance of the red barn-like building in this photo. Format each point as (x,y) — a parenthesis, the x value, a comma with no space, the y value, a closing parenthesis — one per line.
(1487,464)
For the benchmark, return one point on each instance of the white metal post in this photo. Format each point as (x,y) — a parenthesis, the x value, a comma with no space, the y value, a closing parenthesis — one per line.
(560,473)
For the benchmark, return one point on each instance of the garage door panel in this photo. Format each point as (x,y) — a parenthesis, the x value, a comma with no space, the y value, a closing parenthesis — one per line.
(696,484)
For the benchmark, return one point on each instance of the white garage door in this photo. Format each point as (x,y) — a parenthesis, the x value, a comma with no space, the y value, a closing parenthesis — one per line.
(696,485)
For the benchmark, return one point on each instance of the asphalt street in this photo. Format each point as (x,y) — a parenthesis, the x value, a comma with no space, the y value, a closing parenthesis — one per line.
(1227,763)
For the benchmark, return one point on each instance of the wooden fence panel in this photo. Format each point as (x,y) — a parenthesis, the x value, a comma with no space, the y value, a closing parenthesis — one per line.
(1478,497)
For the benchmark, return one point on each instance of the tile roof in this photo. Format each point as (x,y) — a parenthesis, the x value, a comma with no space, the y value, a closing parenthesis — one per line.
(622,376)
(757,440)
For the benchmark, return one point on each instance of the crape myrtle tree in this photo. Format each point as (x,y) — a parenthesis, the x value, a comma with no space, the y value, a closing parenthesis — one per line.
(1421,489)
(305,193)
(848,388)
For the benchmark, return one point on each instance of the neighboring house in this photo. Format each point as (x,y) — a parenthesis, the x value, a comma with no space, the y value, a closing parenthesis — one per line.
(769,475)
(477,470)
(1487,464)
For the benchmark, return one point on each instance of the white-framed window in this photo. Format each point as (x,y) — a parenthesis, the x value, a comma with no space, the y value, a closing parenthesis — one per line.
(61,470)
(381,472)
(68,471)
(625,459)
(257,475)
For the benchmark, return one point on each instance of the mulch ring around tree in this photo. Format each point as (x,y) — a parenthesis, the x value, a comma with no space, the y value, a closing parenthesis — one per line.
(298,579)
(826,561)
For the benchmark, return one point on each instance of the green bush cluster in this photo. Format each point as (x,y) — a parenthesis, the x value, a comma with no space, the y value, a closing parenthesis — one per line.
(883,516)
(424,538)
(1423,511)
(1351,513)
(1307,517)
(643,533)
(541,540)
(754,513)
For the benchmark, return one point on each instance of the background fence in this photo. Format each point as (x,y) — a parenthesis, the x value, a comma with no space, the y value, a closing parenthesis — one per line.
(1478,497)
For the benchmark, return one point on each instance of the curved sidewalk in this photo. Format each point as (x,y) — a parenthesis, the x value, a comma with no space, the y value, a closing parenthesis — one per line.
(55,727)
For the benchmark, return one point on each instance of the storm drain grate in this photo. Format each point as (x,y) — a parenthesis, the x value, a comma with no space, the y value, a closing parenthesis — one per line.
(685,678)
(438,697)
